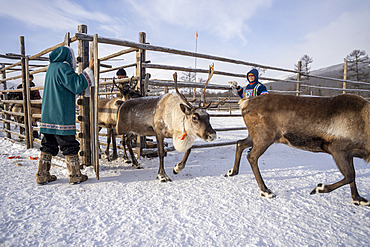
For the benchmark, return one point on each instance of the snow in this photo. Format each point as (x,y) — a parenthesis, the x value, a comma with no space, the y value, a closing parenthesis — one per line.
(200,207)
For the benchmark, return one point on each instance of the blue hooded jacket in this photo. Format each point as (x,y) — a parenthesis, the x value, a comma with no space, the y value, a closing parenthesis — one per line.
(61,86)
(254,88)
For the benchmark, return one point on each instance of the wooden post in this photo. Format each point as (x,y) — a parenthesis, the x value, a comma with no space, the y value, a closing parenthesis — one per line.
(25,103)
(344,75)
(28,118)
(67,40)
(94,128)
(84,108)
(299,77)
(7,116)
(140,73)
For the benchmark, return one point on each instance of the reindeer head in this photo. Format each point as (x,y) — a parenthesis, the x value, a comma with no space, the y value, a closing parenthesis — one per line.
(196,118)
(127,89)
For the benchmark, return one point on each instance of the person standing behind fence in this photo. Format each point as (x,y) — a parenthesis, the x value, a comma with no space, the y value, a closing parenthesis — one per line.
(58,124)
(254,87)
(34,95)
(121,74)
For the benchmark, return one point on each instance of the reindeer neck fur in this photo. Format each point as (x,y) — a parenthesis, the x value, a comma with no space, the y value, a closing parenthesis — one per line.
(182,144)
(175,123)
(243,103)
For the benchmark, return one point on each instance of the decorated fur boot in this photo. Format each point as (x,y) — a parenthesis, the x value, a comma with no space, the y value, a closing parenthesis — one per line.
(43,173)
(74,173)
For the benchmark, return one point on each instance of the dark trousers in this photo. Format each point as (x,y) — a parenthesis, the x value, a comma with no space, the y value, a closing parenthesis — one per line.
(52,143)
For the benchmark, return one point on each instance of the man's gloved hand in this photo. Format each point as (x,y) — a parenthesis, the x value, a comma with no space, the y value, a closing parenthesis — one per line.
(233,84)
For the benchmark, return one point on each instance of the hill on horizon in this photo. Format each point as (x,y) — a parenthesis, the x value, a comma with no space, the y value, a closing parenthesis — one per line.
(334,71)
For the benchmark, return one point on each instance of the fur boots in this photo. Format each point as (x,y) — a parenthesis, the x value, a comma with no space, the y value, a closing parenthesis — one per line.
(74,173)
(43,173)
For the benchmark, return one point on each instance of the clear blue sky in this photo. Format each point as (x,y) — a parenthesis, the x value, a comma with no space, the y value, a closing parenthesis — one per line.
(269,32)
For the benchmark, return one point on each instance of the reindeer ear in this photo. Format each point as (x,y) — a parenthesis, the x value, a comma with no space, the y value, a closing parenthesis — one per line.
(185,109)
(119,103)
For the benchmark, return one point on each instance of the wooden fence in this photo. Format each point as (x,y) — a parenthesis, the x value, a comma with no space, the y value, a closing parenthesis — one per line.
(87,113)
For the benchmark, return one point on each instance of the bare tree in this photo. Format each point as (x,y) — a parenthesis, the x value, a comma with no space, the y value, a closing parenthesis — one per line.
(188,77)
(357,63)
(306,61)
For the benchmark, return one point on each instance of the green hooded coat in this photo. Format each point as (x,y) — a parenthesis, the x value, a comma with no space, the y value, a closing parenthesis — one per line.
(62,85)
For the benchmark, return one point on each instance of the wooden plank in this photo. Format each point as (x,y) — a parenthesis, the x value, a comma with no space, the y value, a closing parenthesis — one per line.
(21,114)
(14,122)
(140,73)
(344,76)
(94,110)
(15,133)
(24,87)
(119,53)
(117,68)
(84,107)
(162,83)
(28,114)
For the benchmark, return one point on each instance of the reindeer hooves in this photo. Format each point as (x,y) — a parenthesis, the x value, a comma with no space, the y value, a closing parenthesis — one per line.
(112,158)
(126,159)
(163,178)
(231,173)
(320,188)
(176,170)
(268,194)
(137,166)
(361,202)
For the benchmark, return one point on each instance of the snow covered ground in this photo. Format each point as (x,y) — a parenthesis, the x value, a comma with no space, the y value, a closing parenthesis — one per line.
(200,207)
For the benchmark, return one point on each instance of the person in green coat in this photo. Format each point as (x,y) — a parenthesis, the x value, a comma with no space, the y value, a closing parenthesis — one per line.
(58,123)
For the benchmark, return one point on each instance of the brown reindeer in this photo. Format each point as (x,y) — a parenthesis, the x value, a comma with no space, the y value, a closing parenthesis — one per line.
(107,116)
(35,109)
(338,125)
(169,116)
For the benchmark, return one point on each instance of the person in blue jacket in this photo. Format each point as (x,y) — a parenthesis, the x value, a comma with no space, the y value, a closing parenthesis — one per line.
(58,123)
(253,88)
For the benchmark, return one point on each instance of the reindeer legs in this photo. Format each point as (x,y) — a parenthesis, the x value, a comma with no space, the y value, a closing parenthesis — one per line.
(109,135)
(240,146)
(345,165)
(182,163)
(162,176)
(135,163)
(123,142)
(253,157)
(259,148)
(114,154)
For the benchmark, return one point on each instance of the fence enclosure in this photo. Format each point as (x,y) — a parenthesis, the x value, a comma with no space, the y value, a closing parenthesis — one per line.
(87,116)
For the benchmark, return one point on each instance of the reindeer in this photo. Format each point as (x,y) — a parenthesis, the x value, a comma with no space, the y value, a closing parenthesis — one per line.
(169,116)
(18,108)
(338,125)
(107,116)
(35,109)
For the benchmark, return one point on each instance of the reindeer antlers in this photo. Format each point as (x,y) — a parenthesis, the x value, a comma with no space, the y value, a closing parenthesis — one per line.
(180,94)
(210,74)
(204,105)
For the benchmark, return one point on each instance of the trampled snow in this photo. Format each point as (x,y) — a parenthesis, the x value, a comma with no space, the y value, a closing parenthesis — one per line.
(200,207)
